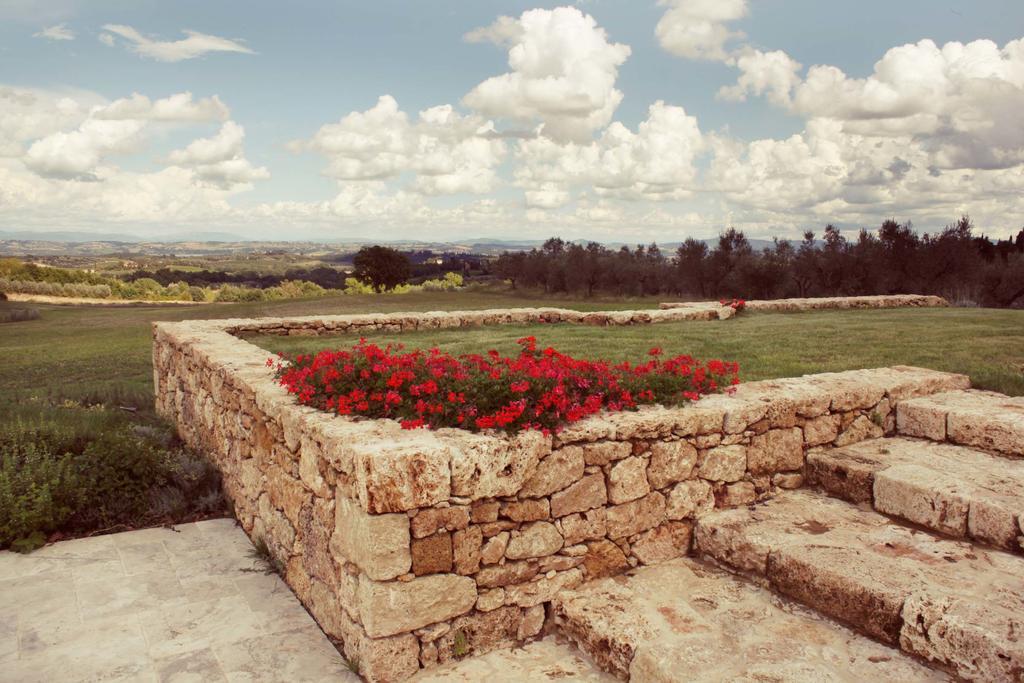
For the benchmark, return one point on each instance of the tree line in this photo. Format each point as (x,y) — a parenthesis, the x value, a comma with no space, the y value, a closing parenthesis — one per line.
(894,259)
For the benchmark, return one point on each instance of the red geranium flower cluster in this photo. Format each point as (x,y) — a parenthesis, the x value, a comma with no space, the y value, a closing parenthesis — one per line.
(735,304)
(538,389)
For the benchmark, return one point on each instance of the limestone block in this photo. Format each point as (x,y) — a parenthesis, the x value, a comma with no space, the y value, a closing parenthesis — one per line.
(555,472)
(506,574)
(528,510)
(479,633)
(486,466)
(532,623)
(735,494)
(432,555)
(662,543)
(671,461)
(432,520)
(821,430)
(690,499)
(494,549)
(861,429)
(584,526)
(724,463)
(467,549)
(636,516)
(777,450)
(627,480)
(543,589)
(604,452)
(389,608)
(589,492)
(378,544)
(395,475)
(604,558)
(921,419)
(917,494)
(538,539)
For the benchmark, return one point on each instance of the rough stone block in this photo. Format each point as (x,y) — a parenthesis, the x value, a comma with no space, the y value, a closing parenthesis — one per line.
(636,516)
(671,461)
(394,607)
(377,544)
(690,499)
(662,543)
(555,472)
(395,476)
(432,555)
(627,480)
(724,463)
(589,492)
(538,539)
(486,466)
(777,450)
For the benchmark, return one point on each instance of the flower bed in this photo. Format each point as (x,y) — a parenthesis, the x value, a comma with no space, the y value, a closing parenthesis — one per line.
(541,390)
(416,547)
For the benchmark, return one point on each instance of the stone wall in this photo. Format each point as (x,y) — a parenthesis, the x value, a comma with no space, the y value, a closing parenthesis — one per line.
(416,547)
(824,303)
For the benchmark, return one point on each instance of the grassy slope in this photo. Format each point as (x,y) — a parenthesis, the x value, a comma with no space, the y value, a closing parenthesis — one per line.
(105,352)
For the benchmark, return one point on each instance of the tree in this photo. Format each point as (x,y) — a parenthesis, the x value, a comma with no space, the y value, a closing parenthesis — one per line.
(509,266)
(382,267)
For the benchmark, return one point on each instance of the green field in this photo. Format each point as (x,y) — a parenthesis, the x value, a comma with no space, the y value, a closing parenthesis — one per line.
(104,352)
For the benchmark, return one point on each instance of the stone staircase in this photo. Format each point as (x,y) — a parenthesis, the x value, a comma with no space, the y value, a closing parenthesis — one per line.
(900,560)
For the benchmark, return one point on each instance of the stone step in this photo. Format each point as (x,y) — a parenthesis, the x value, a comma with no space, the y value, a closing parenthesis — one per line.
(954,603)
(549,659)
(983,419)
(684,620)
(954,490)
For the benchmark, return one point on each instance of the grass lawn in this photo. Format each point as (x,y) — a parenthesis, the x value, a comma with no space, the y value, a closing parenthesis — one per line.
(986,344)
(103,353)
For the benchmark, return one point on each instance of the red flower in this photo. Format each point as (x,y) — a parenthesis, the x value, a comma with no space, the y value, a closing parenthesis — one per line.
(433,389)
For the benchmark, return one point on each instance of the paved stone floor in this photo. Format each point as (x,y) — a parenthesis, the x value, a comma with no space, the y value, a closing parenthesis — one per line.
(184,604)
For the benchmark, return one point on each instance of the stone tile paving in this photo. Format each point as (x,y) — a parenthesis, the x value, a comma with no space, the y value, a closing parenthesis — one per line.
(190,603)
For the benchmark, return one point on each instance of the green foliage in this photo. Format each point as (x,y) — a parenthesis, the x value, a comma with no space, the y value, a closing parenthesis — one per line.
(460,644)
(18,315)
(73,468)
(382,267)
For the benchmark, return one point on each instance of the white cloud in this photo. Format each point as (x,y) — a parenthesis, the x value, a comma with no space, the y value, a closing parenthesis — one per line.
(698,29)
(179,107)
(195,45)
(563,73)
(109,129)
(56,32)
(773,74)
(76,154)
(220,159)
(656,162)
(28,114)
(447,152)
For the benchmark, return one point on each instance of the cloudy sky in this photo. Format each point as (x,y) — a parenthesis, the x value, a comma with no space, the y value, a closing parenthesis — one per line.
(610,120)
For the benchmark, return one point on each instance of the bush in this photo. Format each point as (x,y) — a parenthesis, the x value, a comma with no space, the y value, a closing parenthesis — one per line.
(17,315)
(542,390)
(73,470)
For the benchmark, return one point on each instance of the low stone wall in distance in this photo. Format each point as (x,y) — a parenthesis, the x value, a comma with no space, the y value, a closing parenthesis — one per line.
(823,303)
(417,547)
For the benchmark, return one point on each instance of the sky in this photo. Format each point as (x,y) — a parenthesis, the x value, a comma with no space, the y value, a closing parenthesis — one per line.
(618,121)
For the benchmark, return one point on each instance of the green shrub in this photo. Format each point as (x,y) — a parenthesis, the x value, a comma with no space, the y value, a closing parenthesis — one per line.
(73,469)
(17,315)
